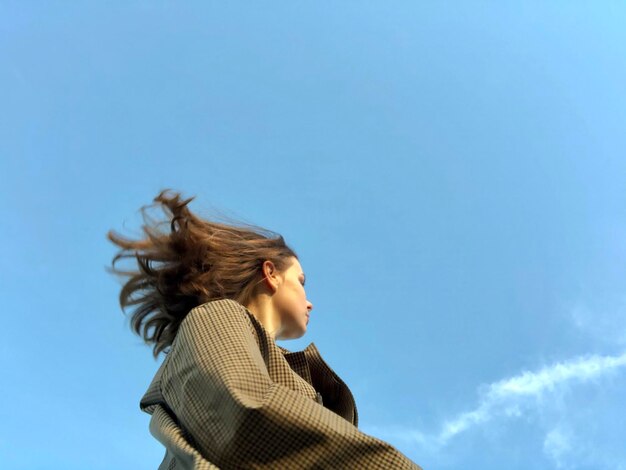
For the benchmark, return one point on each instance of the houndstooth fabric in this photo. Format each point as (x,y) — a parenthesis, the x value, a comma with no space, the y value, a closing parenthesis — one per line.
(226,396)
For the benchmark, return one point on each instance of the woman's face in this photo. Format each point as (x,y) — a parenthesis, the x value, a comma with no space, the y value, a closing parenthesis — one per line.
(290,302)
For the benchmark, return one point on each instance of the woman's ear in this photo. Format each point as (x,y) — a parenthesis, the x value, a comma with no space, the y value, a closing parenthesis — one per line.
(271,275)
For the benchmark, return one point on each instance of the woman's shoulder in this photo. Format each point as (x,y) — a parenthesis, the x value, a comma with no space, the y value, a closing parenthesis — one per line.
(217,320)
(217,305)
(221,311)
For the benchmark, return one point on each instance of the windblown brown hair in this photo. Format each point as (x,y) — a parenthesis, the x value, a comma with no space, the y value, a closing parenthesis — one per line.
(192,262)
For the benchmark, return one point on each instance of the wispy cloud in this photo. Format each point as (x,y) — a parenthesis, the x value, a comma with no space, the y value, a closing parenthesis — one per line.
(602,320)
(557,444)
(506,396)
(531,393)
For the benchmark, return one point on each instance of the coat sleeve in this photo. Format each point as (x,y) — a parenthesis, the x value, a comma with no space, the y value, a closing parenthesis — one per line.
(218,387)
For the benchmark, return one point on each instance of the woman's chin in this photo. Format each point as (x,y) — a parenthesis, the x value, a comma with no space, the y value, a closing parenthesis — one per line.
(293,334)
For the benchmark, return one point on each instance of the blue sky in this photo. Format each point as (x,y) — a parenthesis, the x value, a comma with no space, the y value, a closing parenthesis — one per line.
(452,175)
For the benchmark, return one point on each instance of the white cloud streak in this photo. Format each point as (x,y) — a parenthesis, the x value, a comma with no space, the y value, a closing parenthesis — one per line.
(506,396)
(539,397)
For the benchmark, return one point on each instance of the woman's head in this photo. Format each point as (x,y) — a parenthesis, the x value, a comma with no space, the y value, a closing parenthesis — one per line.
(282,305)
(193,261)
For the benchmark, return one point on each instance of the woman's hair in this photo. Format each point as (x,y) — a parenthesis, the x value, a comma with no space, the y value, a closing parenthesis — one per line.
(185,261)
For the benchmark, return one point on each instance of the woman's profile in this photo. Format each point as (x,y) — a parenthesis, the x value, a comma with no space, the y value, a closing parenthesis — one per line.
(214,297)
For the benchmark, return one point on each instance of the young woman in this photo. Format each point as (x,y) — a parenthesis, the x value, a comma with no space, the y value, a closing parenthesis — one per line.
(215,297)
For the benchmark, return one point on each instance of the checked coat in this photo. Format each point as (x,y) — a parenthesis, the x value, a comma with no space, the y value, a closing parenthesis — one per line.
(226,396)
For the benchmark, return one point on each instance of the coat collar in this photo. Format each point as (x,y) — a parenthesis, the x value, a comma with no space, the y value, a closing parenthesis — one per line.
(297,360)
(309,365)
